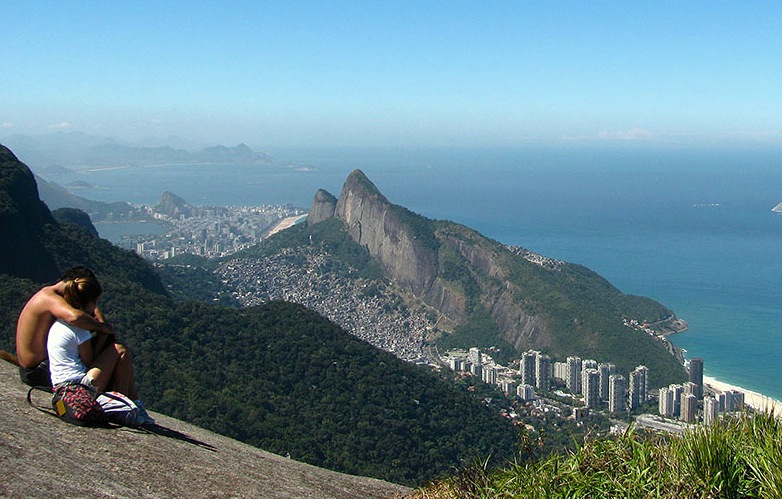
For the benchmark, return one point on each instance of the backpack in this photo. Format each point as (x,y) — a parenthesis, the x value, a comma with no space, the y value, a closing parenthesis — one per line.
(77,404)
(120,409)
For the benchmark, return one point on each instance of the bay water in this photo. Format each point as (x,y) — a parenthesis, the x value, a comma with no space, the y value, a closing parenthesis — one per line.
(691,228)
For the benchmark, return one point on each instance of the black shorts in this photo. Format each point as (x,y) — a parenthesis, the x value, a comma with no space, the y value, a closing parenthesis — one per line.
(36,376)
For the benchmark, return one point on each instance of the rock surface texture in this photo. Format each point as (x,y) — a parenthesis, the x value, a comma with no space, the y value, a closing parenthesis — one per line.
(41,456)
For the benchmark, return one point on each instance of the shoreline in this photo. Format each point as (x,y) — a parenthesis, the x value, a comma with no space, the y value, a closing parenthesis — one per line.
(757,401)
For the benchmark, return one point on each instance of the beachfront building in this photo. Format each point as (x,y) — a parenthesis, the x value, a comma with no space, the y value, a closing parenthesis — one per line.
(711,410)
(696,375)
(677,398)
(689,407)
(666,404)
(690,387)
(734,401)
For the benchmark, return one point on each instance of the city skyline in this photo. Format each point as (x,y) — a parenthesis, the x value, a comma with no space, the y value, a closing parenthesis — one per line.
(358,74)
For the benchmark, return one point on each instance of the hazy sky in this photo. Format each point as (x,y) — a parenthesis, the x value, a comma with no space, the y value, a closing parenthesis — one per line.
(395,73)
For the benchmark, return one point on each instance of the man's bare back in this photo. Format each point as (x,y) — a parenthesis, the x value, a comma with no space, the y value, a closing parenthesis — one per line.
(38,315)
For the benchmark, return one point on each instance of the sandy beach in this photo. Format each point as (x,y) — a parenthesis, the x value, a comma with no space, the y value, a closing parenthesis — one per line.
(286,223)
(756,400)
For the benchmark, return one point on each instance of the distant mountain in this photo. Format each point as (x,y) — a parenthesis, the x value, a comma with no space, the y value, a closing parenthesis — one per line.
(50,153)
(486,294)
(172,205)
(107,154)
(56,197)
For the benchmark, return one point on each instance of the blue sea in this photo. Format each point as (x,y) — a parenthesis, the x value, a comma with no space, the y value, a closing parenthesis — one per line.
(691,228)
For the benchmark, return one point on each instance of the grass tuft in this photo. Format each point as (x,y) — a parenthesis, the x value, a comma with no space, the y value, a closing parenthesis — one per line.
(739,457)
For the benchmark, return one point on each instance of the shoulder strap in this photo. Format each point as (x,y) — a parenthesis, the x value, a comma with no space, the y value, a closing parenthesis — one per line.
(45,389)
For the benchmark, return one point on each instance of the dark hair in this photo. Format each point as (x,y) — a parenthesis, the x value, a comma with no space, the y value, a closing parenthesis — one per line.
(76,272)
(81,291)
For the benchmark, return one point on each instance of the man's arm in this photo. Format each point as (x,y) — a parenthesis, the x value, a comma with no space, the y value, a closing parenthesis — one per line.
(78,318)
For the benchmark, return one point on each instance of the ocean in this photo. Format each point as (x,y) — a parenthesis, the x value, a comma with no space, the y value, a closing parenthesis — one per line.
(691,228)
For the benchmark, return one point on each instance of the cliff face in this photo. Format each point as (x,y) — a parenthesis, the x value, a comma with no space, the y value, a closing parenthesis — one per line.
(323,207)
(407,245)
(373,222)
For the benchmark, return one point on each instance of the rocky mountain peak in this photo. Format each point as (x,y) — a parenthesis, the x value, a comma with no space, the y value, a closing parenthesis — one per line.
(323,207)
(172,205)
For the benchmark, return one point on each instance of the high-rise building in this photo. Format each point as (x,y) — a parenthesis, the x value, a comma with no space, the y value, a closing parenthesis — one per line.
(527,367)
(573,380)
(475,356)
(606,370)
(721,400)
(560,371)
(457,364)
(489,375)
(666,405)
(525,392)
(543,372)
(588,364)
(677,399)
(696,375)
(617,393)
(711,410)
(590,386)
(689,407)
(639,386)
(734,401)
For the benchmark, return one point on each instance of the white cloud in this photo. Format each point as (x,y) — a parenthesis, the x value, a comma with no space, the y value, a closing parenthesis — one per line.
(61,126)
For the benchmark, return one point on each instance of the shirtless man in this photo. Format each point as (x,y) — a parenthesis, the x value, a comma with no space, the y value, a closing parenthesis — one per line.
(41,311)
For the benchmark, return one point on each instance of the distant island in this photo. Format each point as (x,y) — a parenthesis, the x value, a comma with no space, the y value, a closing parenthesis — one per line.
(63,152)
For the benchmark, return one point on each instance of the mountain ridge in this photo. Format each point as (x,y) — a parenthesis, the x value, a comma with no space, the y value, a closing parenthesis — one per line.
(565,309)
(80,149)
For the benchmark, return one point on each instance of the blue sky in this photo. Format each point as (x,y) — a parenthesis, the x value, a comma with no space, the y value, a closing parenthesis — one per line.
(395,73)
